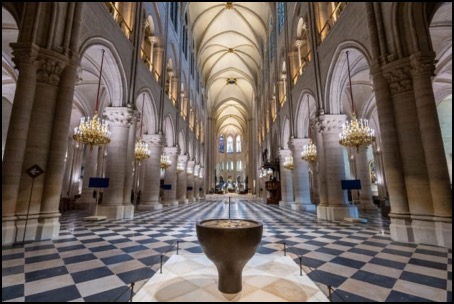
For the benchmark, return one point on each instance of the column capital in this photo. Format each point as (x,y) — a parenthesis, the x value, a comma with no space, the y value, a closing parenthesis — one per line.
(152,39)
(154,140)
(285,152)
(172,151)
(183,158)
(331,123)
(24,53)
(299,43)
(297,144)
(119,116)
(398,76)
(49,70)
(191,164)
(422,65)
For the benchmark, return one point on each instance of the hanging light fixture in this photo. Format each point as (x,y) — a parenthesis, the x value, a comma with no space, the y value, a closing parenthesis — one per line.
(141,150)
(355,133)
(180,167)
(288,163)
(309,153)
(189,170)
(93,131)
(165,161)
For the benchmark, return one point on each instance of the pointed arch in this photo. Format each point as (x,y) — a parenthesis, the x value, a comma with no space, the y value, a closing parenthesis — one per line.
(150,120)
(285,133)
(169,131)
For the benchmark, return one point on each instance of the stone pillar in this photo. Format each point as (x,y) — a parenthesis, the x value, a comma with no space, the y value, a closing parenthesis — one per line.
(42,138)
(432,144)
(301,180)
(120,120)
(286,181)
(159,57)
(319,166)
(196,183)
(86,200)
(190,181)
(299,44)
(170,180)
(182,180)
(381,181)
(129,180)
(49,225)
(152,40)
(414,164)
(25,60)
(362,173)
(394,83)
(151,186)
(334,171)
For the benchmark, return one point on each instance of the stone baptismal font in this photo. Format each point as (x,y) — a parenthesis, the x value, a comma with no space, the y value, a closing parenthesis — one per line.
(229,244)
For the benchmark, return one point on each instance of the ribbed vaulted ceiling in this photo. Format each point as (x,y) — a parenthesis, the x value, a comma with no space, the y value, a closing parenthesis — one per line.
(229,39)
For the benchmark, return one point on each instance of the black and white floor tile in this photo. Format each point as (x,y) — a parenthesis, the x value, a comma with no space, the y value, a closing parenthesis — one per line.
(98,261)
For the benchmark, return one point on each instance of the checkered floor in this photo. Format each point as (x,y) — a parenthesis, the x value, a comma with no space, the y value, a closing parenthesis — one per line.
(98,261)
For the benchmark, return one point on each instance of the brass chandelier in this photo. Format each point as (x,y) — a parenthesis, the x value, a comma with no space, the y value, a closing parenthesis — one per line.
(309,153)
(165,161)
(180,167)
(141,150)
(355,133)
(288,163)
(93,131)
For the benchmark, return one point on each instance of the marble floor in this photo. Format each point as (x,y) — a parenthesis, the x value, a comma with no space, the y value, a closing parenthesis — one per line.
(266,278)
(99,261)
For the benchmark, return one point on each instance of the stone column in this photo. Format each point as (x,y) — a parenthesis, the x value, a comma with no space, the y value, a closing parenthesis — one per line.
(319,166)
(414,165)
(86,200)
(432,143)
(25,60)
(334,172)
(301,177)
(299,44)
(286,181)
(46,132)
(182,181)
(394,83)
(152,40)
(196,183)
(120,120)
(190,181)
(170,179)
(49,225)
(159,57)
(151,186)
(129,180)
(362,173)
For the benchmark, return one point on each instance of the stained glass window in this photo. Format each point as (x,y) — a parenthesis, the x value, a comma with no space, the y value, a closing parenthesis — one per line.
(230,144)
(238,144)
(280,16)
(221,144)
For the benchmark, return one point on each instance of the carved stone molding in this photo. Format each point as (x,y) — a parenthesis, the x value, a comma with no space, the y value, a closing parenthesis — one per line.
(24,53)
(119,116)
(49,71)
(183,158)
(297,144)
(172,151)
(191,164)
(284,153)
(422,66)
(399,79)
(154,140)
(331,123)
